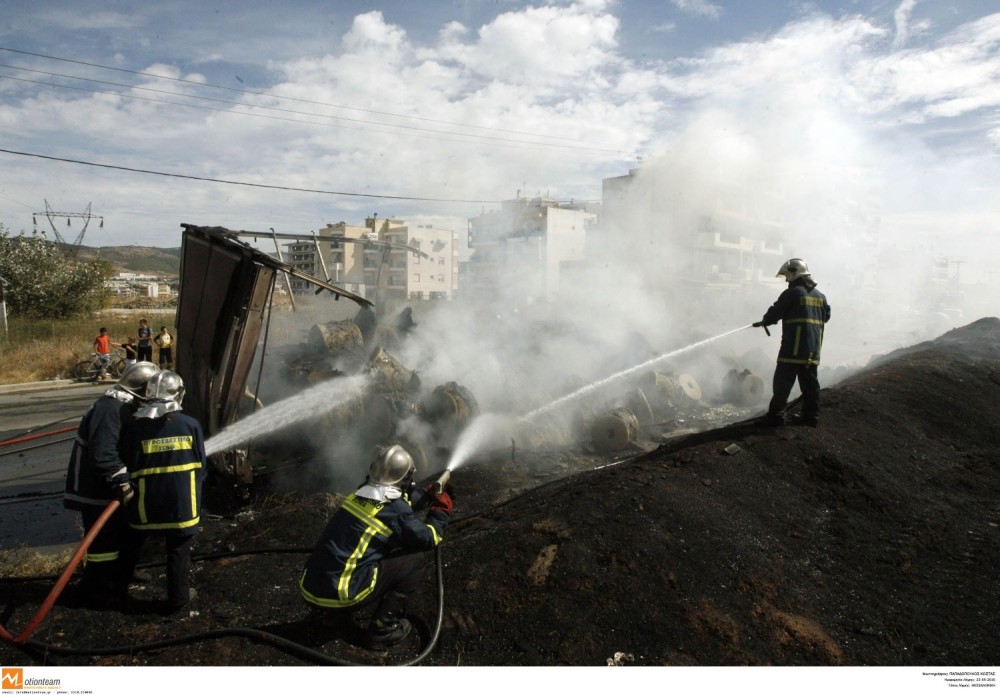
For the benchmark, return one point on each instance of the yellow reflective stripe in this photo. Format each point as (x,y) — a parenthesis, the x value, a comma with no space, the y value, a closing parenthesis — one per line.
(818,322)
(194,496)
(101,557)
(179,468)
(789,360)
(336,602)
(142,500)
(156,446)
(811,301)
(798,339)
(159,527)
(434,532)
(344,585)
(366,513)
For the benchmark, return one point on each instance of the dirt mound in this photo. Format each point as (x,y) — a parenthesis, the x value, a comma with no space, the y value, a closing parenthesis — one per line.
(872,540)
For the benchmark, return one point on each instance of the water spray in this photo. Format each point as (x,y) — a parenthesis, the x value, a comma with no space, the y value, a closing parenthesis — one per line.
(307,405)
(475,436)
(593,386)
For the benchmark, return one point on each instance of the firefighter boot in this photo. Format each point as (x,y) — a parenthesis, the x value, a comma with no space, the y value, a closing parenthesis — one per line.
(772,420)
(388,627)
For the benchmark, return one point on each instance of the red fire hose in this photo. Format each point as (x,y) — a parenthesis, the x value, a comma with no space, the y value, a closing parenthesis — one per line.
(28,438)
(50,600)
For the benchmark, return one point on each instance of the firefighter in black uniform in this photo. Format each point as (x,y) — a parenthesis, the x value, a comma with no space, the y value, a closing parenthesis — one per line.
(803,312)
(97,475)
(165,454)
(371,551)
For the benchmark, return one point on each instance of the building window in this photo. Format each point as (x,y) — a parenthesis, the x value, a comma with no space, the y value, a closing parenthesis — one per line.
(416,277)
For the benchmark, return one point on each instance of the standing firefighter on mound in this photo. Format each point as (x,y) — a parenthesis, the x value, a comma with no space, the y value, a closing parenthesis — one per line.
(803,312)
(372,550)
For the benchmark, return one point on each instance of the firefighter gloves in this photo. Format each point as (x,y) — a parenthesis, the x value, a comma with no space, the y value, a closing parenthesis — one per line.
(443,502)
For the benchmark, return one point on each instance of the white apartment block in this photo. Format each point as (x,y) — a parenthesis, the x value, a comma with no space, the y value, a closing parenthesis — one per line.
(730,238)
(370,260)
(529,245)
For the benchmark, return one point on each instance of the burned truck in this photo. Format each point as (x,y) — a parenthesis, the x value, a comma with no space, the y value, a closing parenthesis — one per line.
(227,289)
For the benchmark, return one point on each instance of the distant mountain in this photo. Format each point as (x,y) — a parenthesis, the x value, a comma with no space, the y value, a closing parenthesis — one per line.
(137,259)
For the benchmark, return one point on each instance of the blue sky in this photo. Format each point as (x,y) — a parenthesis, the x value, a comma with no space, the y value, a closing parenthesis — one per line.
(474,101)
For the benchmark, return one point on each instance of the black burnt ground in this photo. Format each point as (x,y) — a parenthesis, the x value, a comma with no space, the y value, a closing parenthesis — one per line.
(872,540)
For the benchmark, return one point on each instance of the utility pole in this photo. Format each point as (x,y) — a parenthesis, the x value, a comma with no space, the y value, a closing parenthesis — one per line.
(49,213)
(288,283)
(958,270)
(3,306)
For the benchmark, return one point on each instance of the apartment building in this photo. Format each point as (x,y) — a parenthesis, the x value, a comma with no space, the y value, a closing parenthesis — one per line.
(385,260)
(528,247)
(730,236)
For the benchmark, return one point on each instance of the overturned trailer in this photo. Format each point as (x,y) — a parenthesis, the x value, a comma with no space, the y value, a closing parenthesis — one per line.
(226,288)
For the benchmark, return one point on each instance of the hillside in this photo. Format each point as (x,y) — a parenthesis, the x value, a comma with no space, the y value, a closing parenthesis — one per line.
(137,259)
(872,540)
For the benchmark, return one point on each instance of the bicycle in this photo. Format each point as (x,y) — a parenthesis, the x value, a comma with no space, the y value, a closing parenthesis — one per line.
(91,370)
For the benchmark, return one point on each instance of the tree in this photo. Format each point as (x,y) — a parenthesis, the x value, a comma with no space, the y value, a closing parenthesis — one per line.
(43,283)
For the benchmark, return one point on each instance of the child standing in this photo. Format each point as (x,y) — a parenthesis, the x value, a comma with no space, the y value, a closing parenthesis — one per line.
(164,341)
(145,349)
(131,352)
(102,346)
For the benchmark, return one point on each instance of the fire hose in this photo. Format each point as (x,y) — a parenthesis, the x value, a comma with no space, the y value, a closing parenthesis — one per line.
(28,438)
(50,600)
(22,639)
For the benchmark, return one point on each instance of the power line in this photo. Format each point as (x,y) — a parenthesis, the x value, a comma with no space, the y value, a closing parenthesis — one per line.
(245,183)
(298,99)
(500,142)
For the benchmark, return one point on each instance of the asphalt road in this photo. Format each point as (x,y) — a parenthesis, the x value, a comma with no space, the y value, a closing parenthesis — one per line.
(32,473)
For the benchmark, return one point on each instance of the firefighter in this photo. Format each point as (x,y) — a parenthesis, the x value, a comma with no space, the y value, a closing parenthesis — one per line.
(96,476)
(371,551)
(803,312)
(165,454)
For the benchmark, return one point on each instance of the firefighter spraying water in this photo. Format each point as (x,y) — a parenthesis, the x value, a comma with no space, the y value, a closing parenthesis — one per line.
(483,429)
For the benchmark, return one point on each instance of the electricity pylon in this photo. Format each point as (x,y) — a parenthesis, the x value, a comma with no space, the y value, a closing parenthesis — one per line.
(71,249)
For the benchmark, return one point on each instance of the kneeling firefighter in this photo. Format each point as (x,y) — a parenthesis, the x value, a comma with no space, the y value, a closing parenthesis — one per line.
(371,552)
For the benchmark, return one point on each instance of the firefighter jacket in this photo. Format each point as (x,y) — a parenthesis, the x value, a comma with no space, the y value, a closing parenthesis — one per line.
(803,312)
(343,568)
(96,465)
(166,459)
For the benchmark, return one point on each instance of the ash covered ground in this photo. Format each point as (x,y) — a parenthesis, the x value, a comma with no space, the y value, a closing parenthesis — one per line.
(872,540)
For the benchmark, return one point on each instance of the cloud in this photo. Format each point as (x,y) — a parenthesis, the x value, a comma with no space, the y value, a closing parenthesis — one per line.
(77,20)
(960,74)
(699,7)
(540,46)
(902,19)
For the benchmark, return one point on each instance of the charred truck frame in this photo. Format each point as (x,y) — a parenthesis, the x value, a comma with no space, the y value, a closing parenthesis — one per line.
(226,291)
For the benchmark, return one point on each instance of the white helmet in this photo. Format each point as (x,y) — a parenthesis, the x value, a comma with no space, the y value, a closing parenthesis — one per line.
(135,376)
(391,466)
(164,393)
(793,269)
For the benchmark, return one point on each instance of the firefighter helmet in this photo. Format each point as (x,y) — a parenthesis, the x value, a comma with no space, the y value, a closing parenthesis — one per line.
(391,466)
(135,376)
(793,269)
(164,393)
